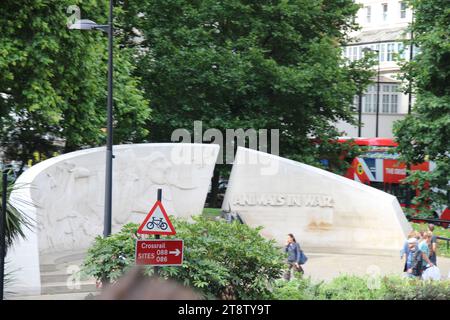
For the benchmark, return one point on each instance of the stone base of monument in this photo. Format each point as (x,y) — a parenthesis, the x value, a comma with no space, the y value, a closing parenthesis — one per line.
(59,279)
(322,209)
(64,199)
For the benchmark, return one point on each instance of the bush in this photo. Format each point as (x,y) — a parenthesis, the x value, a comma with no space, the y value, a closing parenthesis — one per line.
(221,260)
(296,289)
(413,289)
(347,287)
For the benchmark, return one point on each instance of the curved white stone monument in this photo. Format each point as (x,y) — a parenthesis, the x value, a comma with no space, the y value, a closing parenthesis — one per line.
(64,196)
(323,210)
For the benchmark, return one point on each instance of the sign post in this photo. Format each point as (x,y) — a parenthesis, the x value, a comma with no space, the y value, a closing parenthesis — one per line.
(158,252)
(159,198)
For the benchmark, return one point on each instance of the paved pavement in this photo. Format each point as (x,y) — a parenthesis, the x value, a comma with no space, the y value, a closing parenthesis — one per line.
(326,266)
(61,296)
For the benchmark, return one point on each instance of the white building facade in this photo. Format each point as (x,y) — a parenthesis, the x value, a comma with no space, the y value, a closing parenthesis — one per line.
(384,27)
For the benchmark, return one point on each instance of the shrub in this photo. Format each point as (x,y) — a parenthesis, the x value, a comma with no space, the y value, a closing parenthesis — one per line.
(414,289)
(221,260)
(348,287)
(296,289)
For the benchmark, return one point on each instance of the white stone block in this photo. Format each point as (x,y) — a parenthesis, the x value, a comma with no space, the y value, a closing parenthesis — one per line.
(323,210)
(67,196)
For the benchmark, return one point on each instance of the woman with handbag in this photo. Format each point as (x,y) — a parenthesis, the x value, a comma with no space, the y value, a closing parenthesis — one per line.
(295,258)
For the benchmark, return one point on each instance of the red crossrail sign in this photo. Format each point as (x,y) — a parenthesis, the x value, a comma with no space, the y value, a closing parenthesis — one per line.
(158,252)
(157,222)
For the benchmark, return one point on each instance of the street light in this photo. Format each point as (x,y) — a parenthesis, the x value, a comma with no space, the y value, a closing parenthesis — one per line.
(85,24)
(378,89)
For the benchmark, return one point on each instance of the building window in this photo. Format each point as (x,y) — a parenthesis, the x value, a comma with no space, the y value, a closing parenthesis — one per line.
(370,99)
(355,54)
(389,98)
(368,13)
(385,11)
(386,103)
(368,102)
(401,50)
(390,51)
(382,52)
(394,103)
(402,10)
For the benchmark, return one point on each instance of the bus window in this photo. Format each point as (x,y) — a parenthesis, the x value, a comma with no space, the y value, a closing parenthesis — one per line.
(401,191)
(377,185)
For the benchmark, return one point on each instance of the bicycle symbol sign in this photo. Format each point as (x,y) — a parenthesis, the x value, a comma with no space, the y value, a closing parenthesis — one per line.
(157,222)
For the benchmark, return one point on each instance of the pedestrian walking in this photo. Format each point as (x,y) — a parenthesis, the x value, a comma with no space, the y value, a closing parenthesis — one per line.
(424,246)
(295,258)
(405,250)
(433,244)
(413,265)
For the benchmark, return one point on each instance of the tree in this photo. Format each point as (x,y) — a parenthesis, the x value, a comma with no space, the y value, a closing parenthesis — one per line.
(53,81)
(250,64)
(425,133)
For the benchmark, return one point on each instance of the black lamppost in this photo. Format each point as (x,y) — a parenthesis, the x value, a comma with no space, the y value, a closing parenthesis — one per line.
(377,115)
(108,29)
(378,95)
(359,114)
(411,57)
(3,230)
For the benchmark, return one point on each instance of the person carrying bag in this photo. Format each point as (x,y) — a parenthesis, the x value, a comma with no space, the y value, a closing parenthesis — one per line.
(296,257)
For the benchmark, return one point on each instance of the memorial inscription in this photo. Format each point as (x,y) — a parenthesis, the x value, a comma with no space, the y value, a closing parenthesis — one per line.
(284,200)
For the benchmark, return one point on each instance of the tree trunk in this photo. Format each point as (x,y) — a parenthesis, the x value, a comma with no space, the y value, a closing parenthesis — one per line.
(214,188)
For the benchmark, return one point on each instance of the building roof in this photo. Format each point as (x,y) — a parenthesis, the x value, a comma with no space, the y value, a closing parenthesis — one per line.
(384,79)
(380,35)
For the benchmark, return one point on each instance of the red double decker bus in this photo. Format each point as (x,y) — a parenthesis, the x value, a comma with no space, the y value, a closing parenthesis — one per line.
(379,167)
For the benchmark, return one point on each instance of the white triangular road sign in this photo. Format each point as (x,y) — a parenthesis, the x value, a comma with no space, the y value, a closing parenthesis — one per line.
(157,222)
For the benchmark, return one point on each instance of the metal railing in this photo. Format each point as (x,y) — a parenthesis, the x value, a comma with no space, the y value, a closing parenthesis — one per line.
(438,222)
(445,239)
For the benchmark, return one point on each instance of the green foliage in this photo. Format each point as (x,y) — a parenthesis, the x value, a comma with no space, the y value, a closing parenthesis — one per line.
(413,289)
(425,134)
(211,213)
(250,64)
(346,287)
(301,288)
(349,287)
(108,258)
(16,219)
(221,260)
(338,155)
(53,80)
